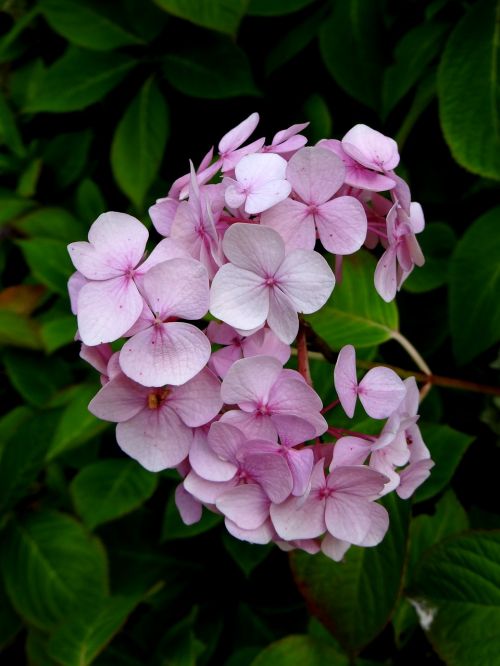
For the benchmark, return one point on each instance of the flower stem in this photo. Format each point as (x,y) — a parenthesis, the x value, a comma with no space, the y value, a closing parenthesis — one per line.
(302,355)
(412,352)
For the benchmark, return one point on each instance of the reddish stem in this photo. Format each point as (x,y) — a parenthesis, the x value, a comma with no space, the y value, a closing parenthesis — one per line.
(303,356)
(339,432)
(330,406)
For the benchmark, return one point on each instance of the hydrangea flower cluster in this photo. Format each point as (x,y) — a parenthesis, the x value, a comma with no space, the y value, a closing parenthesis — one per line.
(241,236)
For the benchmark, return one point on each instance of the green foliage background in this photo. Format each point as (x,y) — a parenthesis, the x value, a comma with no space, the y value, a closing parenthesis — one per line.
(102,103)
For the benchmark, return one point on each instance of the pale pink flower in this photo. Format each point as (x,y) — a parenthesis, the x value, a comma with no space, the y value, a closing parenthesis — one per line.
(357,175)
(371,148)
(230,152)
(287,141)
(261,283)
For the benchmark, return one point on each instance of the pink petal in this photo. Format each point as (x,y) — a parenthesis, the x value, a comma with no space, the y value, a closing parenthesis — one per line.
(170,353)
(254,425)
(355,174)
(206,463)
(261,535)
(246,505)
(97,356)
(226,441)
(350,451)
(107,309)
(255,248)
(197,401)
(293,429)
(221,333)
(284,135)
(234,195)
(355,480)
(260,168)
(342,225)
(266,196)
(355,520)
(300,462)
(299,519)
(307,279)
(417,220)
(334,548)
(265,343)
(293,221)
(162,214)
(75,283)
(315,174)
(371,148)
(344,378)
(282,318)
(385,275)
(230,161)
(271,471)
(238,297)
(179,288)
(381,392)
(156,438)
(206,491)
(291,395)
(119,400)
(189,507)
(235,137)
(222,359)
(413,476)
(250,380)
(166,249)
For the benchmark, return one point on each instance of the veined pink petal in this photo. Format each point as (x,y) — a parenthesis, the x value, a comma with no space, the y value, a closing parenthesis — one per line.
(206,463)
(261,535)
(315,174)
(92,264)
(290,394)
(234,195)
(235,137)
(334,548)
(97,356)
(169,353)
(178,287)
(190,509)
(166,249)
(293,429)
(293,221)
(355,480)
(246,505)
(107,309)
(253,424)
(371,148)
(222,359)
(197,401)
(267,195)
(239,297)
(226,441)
(265,343)
(307,279)
(385,275)
(206,491)
(381,392)
(156,438)
(255,248)
(357,175)
(300,462)
(296,518)
(282,318)
(260,168)
(119,400)
(75,283)
(250,380)
(344,378)
(355,519)
(350,451)
(162,214)
(413,476)
(342,225)
(271,471)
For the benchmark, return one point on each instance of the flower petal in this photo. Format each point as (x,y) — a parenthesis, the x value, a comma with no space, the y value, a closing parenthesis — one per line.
(255,248)
(345,380)
(315,174)
(381,392)
(238,297)
(307,279)
(197,401)
(342,225)
(246,505)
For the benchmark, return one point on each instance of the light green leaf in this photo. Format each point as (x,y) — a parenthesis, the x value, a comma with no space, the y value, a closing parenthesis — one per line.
(49,262)
(88,24)
(79,78)
(221,15)
(139,143)
(52,568)
(109,489)
(355,599)
(298,651)
(437,242)
(468,90)
(457,593)
(474,288)
(447,446)
(217,70)
(58,332)
(351,47)
(413,53)
(67,436)
(355,314)
(79,639)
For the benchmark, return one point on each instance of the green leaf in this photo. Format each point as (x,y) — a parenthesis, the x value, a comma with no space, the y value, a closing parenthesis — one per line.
(217,70)
(413,53)
(87,24)
(355,314)
(52,568)
(179,646)
(355,599)
(457,595)
(49,262)
(67,436)
(55,223)
(437,242)
(28,179)
(246,555)
(424,94)
(11,422)
(9,133)
(173,528)
(23,457)
(221,15)
(34,377)
(37,648)
(79,639)
(350,43)
(468,90)
(109,489)
(12,206)
(19,331)
(26,81)
(298,651)
(474,288)
(318,114)
(79,78)
(67,155)
(89,201)
(58,332)
(10,622)
(276,7)
(139,143)
(447,446)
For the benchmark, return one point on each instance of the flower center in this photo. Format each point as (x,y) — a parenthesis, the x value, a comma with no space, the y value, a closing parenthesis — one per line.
(157,397)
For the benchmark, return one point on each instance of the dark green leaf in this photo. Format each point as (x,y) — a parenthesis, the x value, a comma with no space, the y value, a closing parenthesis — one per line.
(36,378)
(54,223)
(179,646)
(299,651)
(319,117)
(437,242)
(79,78)
(246,555)
(221,15)
(26,81)
(416,50)
(468,83)
(67,155)
(447,446)
(355,599)
(217,71)
(9,133)
(12,206)
(457,595)
(474,288)
(58,332)
(276,7)
(10,46)
(11,422)
(19,331)
(37,648)
(89,201)
(355,314)
(28,179)
(424,94)
(87,24)
(52,568)
(173,527)
(10,622)
(109,489)
(350,43)
(49,262)
(139,143)
(79,639)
